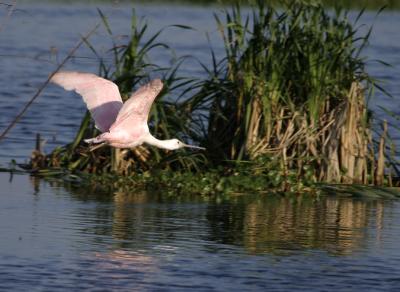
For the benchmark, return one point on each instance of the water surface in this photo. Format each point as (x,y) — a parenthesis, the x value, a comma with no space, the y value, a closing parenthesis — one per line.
(56,237)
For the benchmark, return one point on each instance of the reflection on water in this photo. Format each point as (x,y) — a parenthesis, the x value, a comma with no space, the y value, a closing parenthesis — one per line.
(260,224)
(282,224)
(143,241)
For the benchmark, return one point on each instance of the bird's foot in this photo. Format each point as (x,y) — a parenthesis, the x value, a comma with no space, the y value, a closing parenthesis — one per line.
(90,141)
(96,140)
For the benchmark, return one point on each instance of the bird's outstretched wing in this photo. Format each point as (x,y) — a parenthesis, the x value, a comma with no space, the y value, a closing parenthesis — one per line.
(135,110)
(101,96)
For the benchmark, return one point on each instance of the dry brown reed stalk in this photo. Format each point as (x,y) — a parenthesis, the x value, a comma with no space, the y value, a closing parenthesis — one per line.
(338,146)
(380,168)
(353,151)
(125,161)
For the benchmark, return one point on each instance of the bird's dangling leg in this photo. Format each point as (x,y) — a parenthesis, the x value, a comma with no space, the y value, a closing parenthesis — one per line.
(96,146)
(100,140)
(95,140)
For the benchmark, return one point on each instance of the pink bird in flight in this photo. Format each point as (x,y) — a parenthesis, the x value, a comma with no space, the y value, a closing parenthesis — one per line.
(123,125)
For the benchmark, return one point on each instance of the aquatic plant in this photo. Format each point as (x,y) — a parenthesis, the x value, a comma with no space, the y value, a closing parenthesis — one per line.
(292,84)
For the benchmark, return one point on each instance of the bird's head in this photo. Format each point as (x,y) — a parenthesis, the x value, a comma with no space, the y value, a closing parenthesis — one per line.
(174,144)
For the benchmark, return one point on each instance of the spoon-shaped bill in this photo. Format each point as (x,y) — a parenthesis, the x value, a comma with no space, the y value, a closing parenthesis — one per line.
(194,147)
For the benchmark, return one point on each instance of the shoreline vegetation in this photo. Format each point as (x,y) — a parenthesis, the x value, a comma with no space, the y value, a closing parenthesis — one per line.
(283,111)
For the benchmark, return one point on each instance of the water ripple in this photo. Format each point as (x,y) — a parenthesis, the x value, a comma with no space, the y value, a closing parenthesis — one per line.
(143,241)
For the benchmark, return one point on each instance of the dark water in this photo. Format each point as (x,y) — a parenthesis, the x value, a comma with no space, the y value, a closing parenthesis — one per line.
(63,238)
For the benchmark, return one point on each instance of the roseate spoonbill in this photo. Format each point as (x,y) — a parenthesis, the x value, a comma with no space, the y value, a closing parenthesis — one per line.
(123,125)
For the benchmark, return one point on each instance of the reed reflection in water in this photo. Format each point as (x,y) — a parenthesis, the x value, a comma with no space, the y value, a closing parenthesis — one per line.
(339,225)
(259,223)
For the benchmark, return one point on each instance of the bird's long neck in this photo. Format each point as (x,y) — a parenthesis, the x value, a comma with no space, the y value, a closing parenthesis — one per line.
(165,144)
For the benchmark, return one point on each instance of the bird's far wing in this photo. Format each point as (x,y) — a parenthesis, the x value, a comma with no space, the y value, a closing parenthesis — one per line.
(138,106)
(101,96)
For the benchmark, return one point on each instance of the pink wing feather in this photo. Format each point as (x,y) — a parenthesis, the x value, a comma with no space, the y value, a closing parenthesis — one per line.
(101,96)
(135,111)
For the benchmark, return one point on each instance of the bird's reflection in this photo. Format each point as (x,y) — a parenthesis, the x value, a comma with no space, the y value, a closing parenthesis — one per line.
(125,259)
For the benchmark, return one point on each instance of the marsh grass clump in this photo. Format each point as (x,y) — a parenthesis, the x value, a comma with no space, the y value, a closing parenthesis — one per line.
(293,85)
